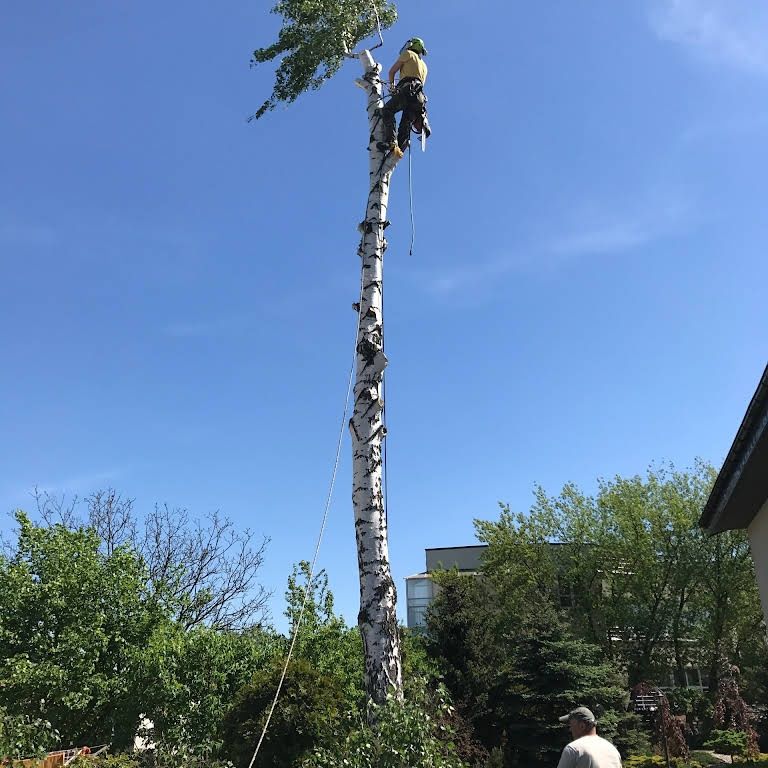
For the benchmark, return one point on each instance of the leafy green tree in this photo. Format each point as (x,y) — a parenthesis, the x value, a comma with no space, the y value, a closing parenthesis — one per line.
(730,615)
(73,623)
(324,639)
(313,40)
(308,711)
(733,743)
(632,553)
(641,578)
(93,641)
(324,679)
(190,679)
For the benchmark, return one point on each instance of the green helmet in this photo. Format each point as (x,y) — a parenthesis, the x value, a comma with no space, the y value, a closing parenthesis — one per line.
(416,44)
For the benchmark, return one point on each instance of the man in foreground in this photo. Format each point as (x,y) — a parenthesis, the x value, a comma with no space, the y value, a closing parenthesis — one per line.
(587,750)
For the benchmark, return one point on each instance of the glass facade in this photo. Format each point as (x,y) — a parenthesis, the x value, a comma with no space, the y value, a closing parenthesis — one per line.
(420,592)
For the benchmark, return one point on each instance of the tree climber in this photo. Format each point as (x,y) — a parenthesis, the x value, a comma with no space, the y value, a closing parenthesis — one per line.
(407,97)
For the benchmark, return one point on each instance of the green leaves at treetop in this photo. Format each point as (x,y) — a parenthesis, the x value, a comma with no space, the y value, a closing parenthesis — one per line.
(313,40)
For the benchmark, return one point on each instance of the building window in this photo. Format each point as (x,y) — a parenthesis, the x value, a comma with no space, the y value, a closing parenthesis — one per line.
(420,589)
(417,616)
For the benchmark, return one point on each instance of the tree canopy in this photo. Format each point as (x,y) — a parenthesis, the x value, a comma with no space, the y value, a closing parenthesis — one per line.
(313,41)
(640,577)
(579,598)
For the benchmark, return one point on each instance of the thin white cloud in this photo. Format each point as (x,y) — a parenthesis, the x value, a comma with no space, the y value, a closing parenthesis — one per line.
(732,32)
(595,232)
(449,280)
(611,237)
(587,231)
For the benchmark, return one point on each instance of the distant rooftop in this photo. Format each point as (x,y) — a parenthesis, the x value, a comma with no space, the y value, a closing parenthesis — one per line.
(741,488)
(463,558)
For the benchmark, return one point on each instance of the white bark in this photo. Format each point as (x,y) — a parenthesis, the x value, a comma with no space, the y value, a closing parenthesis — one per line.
(377,619)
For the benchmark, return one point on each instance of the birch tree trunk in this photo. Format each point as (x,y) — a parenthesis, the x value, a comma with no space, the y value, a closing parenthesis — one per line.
(377,619)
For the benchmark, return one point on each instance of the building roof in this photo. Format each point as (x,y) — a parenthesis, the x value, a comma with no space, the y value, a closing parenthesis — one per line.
(463,546)
(741,488)
(466,558)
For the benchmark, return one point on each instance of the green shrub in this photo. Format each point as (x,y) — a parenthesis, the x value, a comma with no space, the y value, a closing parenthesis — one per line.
(25,736)
(625,731)
(307,712)
(690,702)
(657,761)
(411,733)
(119,760)
(644,761)
(734,743)
(758,761)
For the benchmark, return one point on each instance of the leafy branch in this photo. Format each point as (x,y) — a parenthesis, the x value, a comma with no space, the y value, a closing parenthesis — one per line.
(313,41)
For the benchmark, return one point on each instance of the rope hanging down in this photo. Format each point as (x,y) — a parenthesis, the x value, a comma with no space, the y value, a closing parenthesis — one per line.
(410,199)
(308,588)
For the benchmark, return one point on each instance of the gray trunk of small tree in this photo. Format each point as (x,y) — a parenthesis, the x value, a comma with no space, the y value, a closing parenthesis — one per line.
(377,619)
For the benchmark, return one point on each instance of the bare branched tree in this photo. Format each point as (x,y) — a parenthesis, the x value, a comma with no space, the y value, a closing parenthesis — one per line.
(204,570)
(56,510)
(112,517)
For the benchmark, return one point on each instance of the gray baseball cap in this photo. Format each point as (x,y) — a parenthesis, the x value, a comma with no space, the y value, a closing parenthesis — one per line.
(580,713)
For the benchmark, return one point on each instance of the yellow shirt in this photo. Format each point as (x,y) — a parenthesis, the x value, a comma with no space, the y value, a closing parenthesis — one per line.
(411,65)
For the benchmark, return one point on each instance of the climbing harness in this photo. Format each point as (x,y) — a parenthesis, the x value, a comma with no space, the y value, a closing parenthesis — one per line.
(412,101)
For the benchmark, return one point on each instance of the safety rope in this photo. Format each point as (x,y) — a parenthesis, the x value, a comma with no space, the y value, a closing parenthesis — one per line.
(384,407)
(378,25)
(308,588)
(410,198)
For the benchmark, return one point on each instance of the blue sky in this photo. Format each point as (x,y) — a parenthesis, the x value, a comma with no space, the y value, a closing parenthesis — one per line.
(586,295)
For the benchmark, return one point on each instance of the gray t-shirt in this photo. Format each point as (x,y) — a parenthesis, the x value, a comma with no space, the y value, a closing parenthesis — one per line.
(590,752)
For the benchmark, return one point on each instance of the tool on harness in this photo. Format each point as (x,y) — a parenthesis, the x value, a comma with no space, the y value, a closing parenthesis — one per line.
(415,114)
(417,111)
(420,126)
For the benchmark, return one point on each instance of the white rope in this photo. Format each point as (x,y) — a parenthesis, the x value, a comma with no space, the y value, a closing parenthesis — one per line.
(308,588)
(378,23)
(410,198)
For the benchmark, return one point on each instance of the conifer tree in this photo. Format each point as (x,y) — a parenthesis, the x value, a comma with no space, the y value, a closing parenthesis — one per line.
(513,670)
(548,672)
